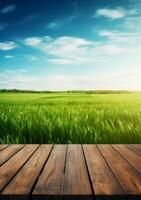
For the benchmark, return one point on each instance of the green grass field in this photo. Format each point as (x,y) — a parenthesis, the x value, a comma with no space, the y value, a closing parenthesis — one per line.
(70,118)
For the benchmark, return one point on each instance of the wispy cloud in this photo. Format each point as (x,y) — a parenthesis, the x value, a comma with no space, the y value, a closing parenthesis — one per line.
(132,21)
(33,41)
(73,50)
(8,9)
(61,61)
(66,50)
(9,56)
(116,36)
(59,23)
(33,58)
(54,24)
(114,14)
(5,46)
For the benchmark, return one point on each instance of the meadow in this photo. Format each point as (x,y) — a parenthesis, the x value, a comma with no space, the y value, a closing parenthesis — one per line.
(70,118)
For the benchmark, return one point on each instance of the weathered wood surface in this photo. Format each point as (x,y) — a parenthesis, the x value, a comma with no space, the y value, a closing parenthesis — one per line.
(70,171)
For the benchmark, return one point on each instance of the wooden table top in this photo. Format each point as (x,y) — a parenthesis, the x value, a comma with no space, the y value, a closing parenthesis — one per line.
(44,171)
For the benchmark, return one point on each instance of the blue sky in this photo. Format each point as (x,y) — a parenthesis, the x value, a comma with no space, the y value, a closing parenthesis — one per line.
(66,44)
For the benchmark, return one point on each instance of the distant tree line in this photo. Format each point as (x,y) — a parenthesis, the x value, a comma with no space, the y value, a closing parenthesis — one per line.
(68,91)
(23,91)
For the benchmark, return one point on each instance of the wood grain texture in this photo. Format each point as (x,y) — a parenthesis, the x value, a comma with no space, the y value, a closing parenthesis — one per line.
(133,158)
(76,180)
(50,181)
(135,147)
(70,172)
(129,178)
(3,146)
(8,152)
(26,177)
(13,165)
(103,180)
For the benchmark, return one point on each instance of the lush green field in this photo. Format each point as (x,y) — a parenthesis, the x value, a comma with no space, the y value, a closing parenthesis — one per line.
(70,118)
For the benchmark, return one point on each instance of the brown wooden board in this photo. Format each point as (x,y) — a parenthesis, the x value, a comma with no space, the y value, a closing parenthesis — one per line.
(50,181)
(3,146)
(135,147)
(133,158)
(23,182)
(103,180)
(128,177)
(8,152)
(14,164)
(76,180)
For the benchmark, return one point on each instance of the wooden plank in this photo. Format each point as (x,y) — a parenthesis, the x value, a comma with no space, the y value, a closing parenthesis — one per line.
(14,164)
(76,179)
(103,180)
(23,182)
(133,158)
(50,180)
(3,146)
(8,152)
(135,147)
(129,178)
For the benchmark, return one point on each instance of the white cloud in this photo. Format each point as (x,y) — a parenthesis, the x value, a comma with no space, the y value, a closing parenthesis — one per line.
(109,49)
(72,50)
(115,34)
(66,50)
(8,9)
(54,25)
(60,61)
(132,23)
(5,46)
(66,46)
(9,56)
(116,13)
(107,33)
(79,50)
(33,41)
(33,58)
(128,40)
